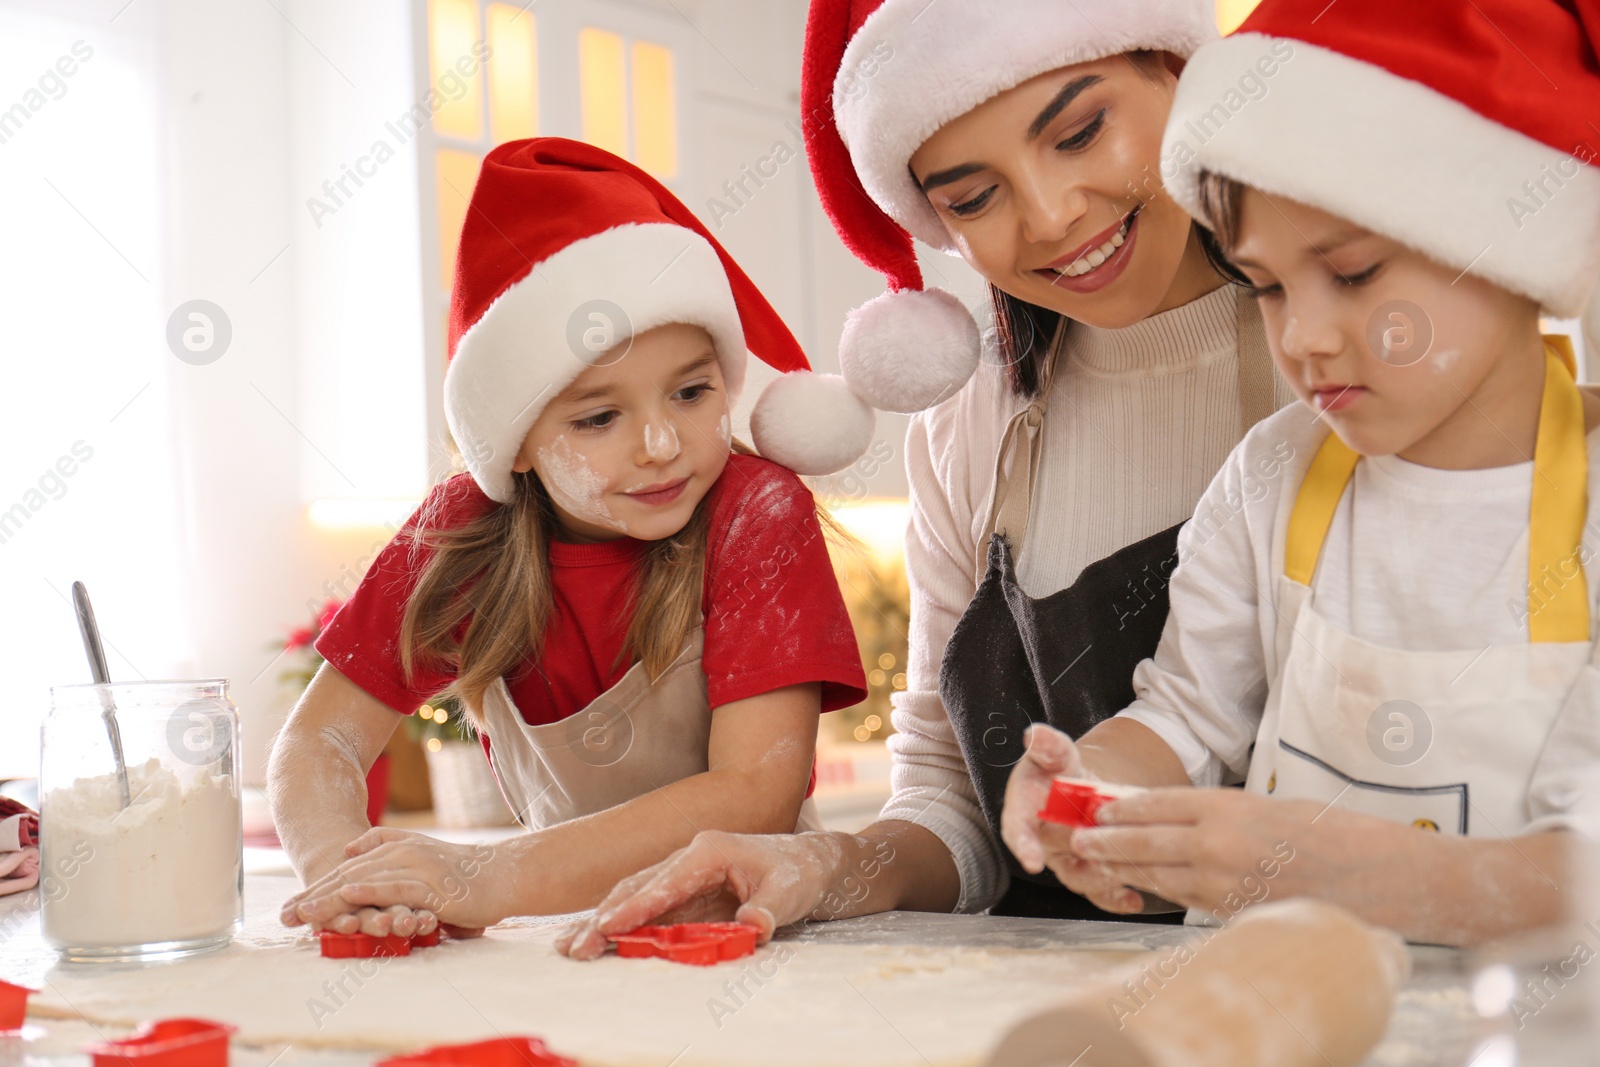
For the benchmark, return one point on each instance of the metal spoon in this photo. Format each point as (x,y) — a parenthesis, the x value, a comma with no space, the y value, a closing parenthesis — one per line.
(102,680)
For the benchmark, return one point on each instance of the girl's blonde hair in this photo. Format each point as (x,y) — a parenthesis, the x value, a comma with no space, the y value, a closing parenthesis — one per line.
(493,575)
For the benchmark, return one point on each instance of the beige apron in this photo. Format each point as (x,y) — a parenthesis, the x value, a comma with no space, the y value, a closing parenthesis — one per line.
(633,738)
(1444,741)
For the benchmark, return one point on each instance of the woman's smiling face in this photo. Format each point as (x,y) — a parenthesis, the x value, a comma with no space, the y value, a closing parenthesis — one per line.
(1052,192)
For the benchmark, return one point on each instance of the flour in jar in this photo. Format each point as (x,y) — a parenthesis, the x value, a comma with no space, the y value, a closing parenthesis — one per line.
(166,868)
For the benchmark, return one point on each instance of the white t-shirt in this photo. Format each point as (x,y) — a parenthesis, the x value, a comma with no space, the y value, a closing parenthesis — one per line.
(1417,558)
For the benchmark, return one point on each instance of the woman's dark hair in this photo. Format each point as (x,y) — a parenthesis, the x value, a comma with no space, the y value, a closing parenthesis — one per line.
(1024,332)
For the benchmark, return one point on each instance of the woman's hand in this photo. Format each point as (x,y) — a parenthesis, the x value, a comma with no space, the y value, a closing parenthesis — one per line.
(395,881)
(767,881)
(1038,844)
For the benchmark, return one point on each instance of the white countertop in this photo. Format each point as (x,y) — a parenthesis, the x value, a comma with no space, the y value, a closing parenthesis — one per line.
(1432,1025)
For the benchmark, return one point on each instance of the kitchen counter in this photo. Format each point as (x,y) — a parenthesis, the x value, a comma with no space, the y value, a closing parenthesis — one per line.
(1434,1023)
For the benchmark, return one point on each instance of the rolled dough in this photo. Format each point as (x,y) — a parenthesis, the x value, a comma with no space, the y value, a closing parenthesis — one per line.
(832,996)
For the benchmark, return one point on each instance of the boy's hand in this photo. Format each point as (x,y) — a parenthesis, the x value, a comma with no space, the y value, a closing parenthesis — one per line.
(1220,849)
(395,881)
(1038,844)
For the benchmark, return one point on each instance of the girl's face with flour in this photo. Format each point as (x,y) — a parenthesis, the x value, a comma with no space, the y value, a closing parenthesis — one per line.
(634,443)
(1051,190)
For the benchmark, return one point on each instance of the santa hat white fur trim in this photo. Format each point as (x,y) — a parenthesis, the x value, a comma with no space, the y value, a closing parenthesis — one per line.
(1392,156)
(519,355)
(909,350)
(811,423)
(913,66)
(1590,328)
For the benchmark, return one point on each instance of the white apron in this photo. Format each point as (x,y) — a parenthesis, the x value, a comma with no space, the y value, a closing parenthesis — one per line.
(631,739)
(1443,741)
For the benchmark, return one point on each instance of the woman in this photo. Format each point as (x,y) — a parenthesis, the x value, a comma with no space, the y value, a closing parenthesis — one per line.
(1024,137)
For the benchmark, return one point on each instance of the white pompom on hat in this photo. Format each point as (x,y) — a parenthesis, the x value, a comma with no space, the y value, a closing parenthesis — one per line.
(566,253)
(879,78)
(813,419)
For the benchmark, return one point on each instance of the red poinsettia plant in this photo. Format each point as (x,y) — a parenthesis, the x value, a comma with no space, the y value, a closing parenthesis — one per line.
(303,636)
(302,640)
(440,718)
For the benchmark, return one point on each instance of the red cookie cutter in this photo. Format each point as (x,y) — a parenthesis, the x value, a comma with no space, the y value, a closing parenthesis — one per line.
(13,1005)
(336,946)
(167,1043)
(500,1052)
(700,944)
(1077,802)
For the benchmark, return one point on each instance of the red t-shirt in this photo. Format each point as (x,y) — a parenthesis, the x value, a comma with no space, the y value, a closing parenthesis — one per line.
(773,612)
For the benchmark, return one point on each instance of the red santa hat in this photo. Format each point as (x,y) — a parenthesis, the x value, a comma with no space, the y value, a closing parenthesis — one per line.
(1465,130)
(879,78)
(566,253)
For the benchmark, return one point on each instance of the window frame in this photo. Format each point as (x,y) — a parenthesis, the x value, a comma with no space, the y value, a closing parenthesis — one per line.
(559,114)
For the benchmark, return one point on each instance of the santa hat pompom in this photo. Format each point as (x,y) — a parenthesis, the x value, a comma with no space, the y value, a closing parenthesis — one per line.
(908,350)
(811,423)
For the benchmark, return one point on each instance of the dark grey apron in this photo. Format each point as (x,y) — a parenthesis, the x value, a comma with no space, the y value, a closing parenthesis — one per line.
(1066,659)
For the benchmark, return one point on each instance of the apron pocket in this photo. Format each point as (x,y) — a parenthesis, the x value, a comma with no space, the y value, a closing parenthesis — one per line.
(1441,808)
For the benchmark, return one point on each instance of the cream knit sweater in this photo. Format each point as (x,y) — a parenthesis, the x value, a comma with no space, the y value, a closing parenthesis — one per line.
(1139,421)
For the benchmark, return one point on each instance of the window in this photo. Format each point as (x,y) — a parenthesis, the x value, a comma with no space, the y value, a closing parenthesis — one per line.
(626,91)
(607,75)
(483,63)
(1230,13)
(628,99)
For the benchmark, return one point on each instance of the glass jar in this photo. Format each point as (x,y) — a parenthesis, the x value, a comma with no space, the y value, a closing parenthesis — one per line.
(162,876)
(1538,994)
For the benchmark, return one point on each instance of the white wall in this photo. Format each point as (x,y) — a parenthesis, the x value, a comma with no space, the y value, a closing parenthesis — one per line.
(89,485)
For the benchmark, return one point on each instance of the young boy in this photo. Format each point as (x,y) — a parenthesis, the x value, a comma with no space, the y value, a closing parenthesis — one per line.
(1382,622)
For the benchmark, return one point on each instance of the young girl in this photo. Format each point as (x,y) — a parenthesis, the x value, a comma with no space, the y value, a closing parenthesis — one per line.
(637,612)
(1383,618)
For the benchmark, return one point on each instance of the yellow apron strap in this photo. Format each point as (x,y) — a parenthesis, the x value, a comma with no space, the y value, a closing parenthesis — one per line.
(1558,591)
(1318,499)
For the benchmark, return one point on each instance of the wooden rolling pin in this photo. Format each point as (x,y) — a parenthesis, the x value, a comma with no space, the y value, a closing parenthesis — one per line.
(1299,983)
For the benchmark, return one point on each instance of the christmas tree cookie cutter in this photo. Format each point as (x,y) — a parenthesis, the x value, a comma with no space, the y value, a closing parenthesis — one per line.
(336,946)
(13,1005)
(500,1052)
(699,944)
(167,1043)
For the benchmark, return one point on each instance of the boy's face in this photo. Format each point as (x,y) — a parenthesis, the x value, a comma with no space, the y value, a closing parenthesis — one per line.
(1400,355)
(649,415)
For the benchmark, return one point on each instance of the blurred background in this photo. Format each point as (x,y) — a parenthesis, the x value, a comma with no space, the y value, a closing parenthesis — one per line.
(232,227)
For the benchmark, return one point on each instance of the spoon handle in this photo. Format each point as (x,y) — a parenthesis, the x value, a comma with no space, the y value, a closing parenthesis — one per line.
(95,649)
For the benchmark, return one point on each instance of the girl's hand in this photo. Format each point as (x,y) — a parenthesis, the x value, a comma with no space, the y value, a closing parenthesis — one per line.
(1038,844)
(378,922)
(400,882)
(1220,849)
(768,881)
